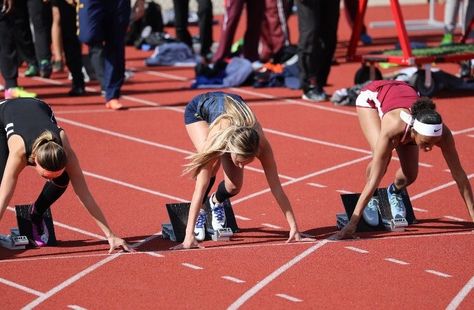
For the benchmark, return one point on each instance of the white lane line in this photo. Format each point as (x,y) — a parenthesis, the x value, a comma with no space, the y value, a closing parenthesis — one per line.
(435,189)
(167,76)
(70,281)
(20,287)
(124,136)
(470,136)
(271,226)
(455,218)
(396,261)
(420,210)
(343,191)
(358,250)
(319,172)
(76,307)
(288,297)
(457,300)
(325,143)
(138,188)
(458,132)
(275,274)
(242,218)
(192,266)
(232,279)
(438,273)
(80,275)
(292,101)
(60,257)
(317,185)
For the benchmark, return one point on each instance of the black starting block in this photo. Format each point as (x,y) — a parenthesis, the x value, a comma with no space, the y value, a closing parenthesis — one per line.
(386,220)
(24,223)
(178,214)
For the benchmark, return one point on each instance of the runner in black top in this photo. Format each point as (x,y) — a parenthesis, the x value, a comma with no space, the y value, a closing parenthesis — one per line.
(30,136)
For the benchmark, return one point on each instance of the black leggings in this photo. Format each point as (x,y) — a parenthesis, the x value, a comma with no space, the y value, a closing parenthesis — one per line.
(52,190)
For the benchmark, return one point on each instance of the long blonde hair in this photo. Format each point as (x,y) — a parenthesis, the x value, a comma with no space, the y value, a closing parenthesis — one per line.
(240,137)
(49,154)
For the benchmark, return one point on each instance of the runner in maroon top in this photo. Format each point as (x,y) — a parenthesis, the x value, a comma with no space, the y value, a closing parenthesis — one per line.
(393,117)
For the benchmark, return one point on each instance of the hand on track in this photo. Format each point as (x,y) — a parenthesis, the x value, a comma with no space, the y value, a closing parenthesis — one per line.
(116,242)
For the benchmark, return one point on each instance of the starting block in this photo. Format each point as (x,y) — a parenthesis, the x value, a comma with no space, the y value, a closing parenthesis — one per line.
(178,214)
(24,223)
(386,220)
(14,241)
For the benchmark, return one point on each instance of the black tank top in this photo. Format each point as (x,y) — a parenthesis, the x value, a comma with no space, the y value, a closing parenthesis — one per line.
(28,118)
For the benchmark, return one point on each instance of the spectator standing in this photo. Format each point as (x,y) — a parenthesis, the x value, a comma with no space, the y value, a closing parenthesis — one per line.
(317,25)
(8,53)
(205,16)
(351,7)
(36,52)
(233,11)
(102,26)
(275,34)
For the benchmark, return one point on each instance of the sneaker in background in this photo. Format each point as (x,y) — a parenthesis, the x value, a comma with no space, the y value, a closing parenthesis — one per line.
(31,70)
(58,66)
(448,39)
(218,214)
(366,39)
(314,94)
(200,227)
(45,68)
(371,212)
(18,92)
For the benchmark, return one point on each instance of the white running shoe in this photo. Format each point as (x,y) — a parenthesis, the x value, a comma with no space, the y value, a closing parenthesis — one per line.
(200,227)
(371,212)
(397,207)
(218,215)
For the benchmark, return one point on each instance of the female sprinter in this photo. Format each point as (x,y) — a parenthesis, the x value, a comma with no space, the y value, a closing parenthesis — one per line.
(31,137)
(393,116)
(225,131)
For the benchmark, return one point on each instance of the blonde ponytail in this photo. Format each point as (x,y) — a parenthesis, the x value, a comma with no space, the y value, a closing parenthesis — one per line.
(49,154)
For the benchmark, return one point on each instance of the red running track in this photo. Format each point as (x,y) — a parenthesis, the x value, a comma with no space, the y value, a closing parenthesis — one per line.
(133,161)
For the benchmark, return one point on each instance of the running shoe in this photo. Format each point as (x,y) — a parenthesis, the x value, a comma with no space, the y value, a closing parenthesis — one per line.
(315,95)
(32,70)
(40,233)
(57,66)
(39,230)
(18,92)
(45,68)
(218,215)
(365,39)
(200,227)
(448,39)
(397,207)
(371,212)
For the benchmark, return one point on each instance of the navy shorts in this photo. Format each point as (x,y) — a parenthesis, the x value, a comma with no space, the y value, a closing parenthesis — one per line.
(190,113)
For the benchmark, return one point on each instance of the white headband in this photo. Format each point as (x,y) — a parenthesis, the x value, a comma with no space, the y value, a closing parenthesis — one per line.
(429,130)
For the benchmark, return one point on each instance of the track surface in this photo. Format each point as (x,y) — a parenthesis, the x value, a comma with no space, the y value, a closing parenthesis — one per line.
(133,161)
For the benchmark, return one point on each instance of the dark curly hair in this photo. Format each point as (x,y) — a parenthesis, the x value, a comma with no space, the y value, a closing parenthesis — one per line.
(424,110)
